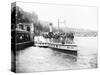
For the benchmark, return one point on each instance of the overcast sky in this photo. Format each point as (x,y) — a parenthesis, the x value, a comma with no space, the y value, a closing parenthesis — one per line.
(75,16)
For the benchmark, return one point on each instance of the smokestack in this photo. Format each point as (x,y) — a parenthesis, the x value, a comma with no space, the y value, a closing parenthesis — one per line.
(50,27)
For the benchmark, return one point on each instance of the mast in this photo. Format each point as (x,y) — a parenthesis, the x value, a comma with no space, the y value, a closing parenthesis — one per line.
(58,26)
(63,22)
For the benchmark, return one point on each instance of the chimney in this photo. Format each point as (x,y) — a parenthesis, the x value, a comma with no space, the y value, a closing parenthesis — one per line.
(50,27)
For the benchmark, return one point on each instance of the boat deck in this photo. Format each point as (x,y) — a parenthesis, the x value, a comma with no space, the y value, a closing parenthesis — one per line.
(58,45)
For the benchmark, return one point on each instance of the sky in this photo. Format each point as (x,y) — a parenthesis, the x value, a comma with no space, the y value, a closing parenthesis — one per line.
(81,17)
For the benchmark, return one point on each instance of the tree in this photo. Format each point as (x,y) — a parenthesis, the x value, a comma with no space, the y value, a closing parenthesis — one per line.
(20,16)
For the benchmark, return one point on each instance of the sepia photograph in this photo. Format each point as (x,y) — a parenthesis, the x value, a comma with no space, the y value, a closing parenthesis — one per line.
(53,37)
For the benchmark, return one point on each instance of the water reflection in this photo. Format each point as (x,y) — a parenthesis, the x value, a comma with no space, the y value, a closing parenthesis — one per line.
(64,56)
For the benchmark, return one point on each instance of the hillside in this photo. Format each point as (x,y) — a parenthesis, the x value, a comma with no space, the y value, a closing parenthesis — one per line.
(44,27)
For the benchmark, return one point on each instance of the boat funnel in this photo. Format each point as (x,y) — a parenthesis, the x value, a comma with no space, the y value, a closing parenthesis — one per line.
(50,27)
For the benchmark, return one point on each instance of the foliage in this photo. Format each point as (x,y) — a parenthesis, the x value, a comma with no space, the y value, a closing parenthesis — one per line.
(20,16)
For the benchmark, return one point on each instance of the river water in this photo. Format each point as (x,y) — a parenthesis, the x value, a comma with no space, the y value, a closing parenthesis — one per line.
(35,59)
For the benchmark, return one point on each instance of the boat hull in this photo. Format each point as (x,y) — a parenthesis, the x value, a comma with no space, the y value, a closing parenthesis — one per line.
(67,51)
(68,48)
